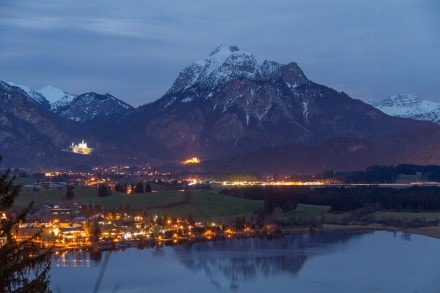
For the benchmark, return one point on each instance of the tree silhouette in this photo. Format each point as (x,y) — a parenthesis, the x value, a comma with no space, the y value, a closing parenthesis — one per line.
(24,266)
(103,190)
(187,195)
(139,187)
(69,192)
(148,187)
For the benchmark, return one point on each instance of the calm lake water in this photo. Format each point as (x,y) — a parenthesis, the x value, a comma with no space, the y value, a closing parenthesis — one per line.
(321,262)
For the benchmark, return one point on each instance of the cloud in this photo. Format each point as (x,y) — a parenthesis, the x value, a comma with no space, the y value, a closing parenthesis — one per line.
(136,49)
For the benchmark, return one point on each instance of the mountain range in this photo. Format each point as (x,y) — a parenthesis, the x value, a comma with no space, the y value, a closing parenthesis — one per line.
(409,106)
(229,109)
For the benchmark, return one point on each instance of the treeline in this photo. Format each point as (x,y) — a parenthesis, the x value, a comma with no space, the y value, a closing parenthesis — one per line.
(388,174)
(343,199)
(133,188)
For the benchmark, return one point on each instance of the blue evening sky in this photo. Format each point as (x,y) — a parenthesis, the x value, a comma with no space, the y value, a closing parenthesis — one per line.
(135,49)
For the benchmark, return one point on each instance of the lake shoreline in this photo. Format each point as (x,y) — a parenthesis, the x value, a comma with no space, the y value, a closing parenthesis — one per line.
(431,231)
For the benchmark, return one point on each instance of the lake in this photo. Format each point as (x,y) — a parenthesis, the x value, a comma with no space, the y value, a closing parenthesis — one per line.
(318,262)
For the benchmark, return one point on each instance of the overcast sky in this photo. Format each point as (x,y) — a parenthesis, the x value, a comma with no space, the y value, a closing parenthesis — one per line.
(134,50)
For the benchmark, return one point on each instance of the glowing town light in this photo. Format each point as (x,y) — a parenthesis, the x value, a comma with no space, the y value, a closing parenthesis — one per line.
(193,160)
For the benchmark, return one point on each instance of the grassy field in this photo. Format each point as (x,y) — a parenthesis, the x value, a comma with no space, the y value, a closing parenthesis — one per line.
(305,213)
(203,205)
(405,216)
(213,206)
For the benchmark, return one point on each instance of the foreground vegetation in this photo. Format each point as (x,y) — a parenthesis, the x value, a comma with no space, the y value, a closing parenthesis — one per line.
(24,266)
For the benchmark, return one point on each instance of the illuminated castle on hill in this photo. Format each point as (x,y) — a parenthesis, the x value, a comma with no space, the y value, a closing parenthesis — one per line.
(194,160)
(80,148)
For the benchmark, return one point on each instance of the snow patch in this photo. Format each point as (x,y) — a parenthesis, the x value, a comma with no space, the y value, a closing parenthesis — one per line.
(187,100)
(306,111)
(291,85)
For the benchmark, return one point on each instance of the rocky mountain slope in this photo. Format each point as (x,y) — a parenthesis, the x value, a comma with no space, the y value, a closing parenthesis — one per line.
(228,104)
(409,106)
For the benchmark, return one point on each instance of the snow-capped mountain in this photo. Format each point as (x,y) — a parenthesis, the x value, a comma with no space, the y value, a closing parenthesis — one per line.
(91,106)
(229,103)
(56,97)
(409,106)
(85,107)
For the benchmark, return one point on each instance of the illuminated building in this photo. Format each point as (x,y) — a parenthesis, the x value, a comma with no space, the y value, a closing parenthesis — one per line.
(80,148)
(193,160)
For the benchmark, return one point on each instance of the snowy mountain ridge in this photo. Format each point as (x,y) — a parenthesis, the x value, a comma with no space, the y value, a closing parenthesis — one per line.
(88,106)
(56,97)
(409,106)
(81,108)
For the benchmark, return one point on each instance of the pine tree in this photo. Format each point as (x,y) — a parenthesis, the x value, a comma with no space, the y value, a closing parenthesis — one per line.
(103,190)
(139,187)
(148,187)
(69,192)
(24,266)
(187,195)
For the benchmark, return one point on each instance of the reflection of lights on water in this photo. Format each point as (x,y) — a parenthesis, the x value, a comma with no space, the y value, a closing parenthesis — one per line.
(72,259)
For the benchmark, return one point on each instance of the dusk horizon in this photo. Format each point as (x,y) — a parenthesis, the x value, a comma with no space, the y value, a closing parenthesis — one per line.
(369,50)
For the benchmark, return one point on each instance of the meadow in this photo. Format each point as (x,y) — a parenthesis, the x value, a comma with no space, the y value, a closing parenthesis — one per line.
(203,205)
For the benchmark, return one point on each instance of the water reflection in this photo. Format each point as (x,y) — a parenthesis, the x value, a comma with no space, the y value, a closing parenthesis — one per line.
(321,262)
(78,258)
(243,260)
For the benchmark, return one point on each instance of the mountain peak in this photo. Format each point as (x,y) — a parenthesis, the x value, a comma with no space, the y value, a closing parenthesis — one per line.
(56,97)
(408,106)
(225,49)
(88,106)
(225,63)
(53,94)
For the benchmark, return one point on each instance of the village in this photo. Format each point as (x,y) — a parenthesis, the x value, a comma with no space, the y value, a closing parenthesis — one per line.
(64,226)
